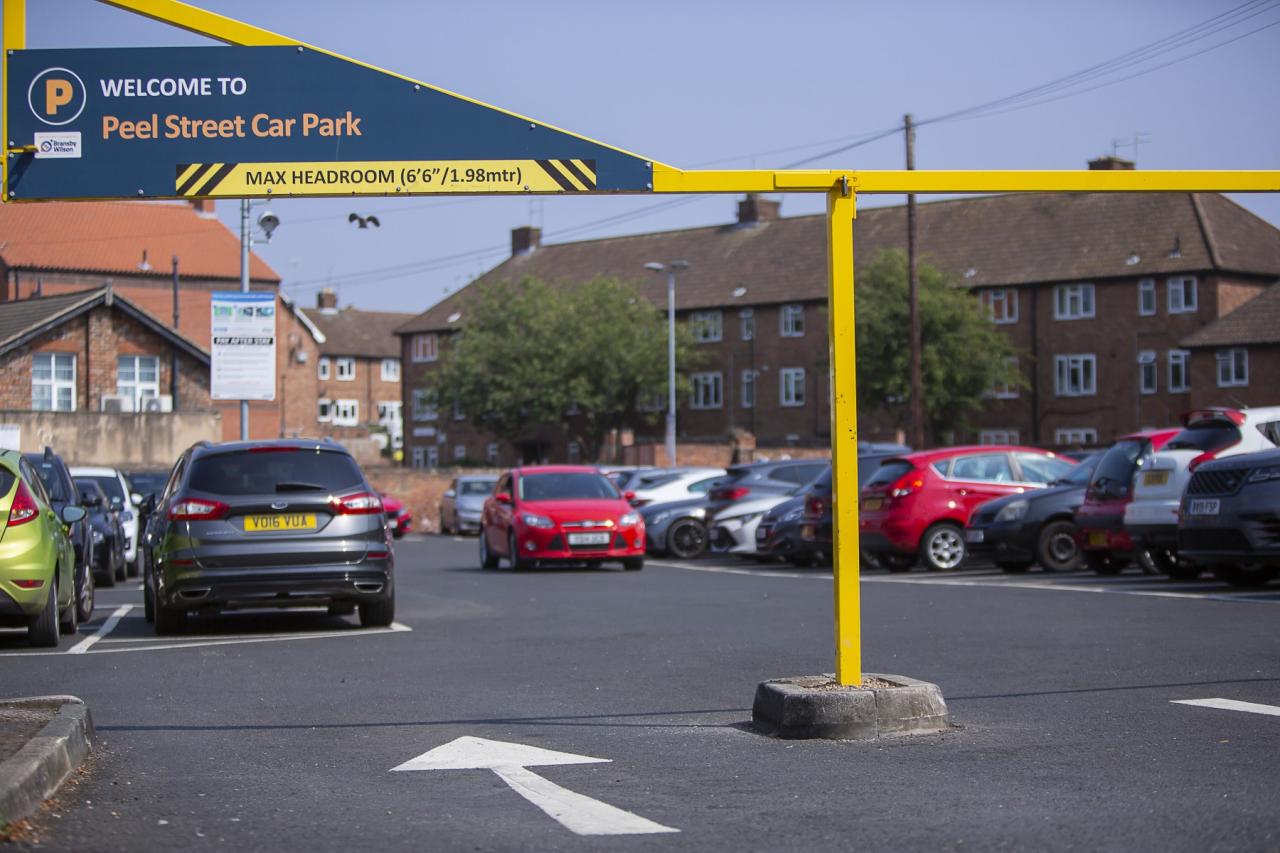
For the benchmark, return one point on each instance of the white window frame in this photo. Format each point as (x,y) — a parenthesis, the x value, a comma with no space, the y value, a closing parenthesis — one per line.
(344,369)
(346,412)
(1179,358)
(390,412)
(1236,363)
(1073,301)
(459,452)
(323,368)
(748,382)
(1147,293)
(791,321)
(53,383)
(1179,287)
(1071,379)
(138,389)
(424,347)
(1068,436)
(391,370)
(707,326)
(988,437)
(458,414)
(747,324)
(1001,305)
(574,453)
(1148,372)
(491,453)
(433,456)
(706,390)
(418,457)
(324,410)
(791,387)
(1008,390)
(424,406)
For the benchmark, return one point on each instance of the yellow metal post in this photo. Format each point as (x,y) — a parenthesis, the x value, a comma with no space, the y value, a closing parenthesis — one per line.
(841,209)
(15,38)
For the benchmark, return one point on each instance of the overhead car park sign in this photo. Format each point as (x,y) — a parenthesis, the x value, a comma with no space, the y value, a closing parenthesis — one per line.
(274,121)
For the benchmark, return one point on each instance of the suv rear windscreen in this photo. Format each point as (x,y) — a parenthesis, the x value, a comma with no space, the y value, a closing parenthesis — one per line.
(1205,437)
(1115,470)
(888,472)
(272,471)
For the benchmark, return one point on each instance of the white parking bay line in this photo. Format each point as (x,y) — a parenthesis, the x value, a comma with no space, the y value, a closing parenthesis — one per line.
(724,570)
(1231,705)
(395,628)
(107,627)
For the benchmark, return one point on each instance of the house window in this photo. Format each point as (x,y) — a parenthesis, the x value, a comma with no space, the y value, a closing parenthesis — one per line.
(706,326)
(708,390)
(424,405)
(791,321)
(138,377)
(1076,375)
(1182,294)
(346,412)
(1001,304)
(748,388)
(1007,390)
(322,367)
(389,412)
(419,457)
(433,457)
(1233,367)
(792,392)
(459,452)
(424,348)
(747,320)
(575,453)
(1073,436)
(391,370)
(1072,301)
(1147,297)
(346,371)
(1179,370)
(491,453)
(53,382)
(458,414)
(1147,372)
(998,436)
(324,410)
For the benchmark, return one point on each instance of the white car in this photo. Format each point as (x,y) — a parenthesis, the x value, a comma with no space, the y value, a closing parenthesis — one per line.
(733,531)
(673,484)
(123,501)
(1151,518)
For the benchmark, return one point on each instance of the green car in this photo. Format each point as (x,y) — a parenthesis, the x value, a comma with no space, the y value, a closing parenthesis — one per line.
(37,560)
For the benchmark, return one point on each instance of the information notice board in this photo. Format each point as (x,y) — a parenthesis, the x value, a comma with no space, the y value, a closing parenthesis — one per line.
(243,346)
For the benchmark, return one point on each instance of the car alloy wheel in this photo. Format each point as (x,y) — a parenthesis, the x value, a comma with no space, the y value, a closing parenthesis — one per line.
(514,559)
(85,592)
(943,547)
(687,538)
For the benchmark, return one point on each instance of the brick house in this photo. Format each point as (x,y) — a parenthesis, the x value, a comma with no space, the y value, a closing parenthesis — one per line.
(51,249)
(1096,291)
(357,372)
(79,351)
(1235,361)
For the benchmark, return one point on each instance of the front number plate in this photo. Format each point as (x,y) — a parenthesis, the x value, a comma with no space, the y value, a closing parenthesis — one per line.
(588,538)
(270,523)
(1204,506)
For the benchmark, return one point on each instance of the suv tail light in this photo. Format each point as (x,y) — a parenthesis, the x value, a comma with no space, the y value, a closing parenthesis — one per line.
(1201,459)
(24,506)
(814,506)
(729,493)
(361,503)
(195,509)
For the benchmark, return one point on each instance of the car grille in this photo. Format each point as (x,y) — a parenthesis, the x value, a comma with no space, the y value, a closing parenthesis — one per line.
(1217,482)
(586,525)
(1217,539)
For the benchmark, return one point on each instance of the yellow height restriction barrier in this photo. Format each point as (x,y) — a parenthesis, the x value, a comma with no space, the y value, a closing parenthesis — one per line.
(574,174)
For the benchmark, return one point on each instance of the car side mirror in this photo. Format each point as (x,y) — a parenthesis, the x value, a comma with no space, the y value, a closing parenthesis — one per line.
(72,513)
(503,498)
(449,493)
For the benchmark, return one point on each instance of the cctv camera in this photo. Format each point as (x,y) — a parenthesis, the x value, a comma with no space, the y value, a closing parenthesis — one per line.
(268,222)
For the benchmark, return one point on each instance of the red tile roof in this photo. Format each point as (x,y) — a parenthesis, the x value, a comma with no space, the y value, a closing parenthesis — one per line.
(109,237)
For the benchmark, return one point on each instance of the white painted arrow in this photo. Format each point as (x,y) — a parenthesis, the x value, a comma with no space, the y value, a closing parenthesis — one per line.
(1231,705)
(576,812)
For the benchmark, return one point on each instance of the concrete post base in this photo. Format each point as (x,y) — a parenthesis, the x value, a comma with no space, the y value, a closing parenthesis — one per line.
(815,706)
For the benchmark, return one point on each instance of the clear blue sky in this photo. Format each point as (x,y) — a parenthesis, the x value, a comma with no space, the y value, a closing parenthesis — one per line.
(724,84)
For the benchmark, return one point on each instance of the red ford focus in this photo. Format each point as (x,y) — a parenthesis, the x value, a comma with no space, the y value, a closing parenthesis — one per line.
(559,514)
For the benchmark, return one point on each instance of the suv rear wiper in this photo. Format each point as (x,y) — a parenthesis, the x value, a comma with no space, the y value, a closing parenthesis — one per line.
(300,487)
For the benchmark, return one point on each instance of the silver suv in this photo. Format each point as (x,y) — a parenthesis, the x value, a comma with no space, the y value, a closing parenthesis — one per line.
(269,524)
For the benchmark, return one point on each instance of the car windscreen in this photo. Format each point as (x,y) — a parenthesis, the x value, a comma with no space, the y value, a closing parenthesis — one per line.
(270,471)
(566,487)
(110,485)
(653,481)
(53,484)
(480,488)
(1079,475)
(888,471)
(1204,437)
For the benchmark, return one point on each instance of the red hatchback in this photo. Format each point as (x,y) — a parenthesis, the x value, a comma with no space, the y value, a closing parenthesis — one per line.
(916,505)
(559,514)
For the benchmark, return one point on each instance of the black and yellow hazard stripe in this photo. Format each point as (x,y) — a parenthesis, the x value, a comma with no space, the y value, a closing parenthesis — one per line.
(197,179)
(572,175)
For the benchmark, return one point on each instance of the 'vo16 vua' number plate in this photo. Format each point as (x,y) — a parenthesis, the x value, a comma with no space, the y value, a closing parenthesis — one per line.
(283,521)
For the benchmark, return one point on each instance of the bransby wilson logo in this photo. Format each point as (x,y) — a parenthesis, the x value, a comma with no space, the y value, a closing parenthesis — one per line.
(57,96)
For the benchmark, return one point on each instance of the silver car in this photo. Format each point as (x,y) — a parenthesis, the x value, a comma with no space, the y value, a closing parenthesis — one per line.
(463,503)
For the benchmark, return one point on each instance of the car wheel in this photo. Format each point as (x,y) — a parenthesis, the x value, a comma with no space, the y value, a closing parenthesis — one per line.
(85,592)
(43,630)
(68,620)
(149,596)
(942,547)
(170,620)
(686,538)
(444,528)
(517,563)
(897,562)
(1166,561)
(1246,577)
(378,614)
(633,564)
(121,570)
(488,560)
(1104,563)
(1056,550)
(1013,567)
(107,578)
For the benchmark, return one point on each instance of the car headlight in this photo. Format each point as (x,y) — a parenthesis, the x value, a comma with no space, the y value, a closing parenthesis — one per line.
(630,519)
(1262,475)
(1013,511)
(97,536)
(793,515)
(538,521)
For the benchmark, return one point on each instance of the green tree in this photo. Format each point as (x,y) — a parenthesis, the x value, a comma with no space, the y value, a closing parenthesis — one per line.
(963,355)
(582,356)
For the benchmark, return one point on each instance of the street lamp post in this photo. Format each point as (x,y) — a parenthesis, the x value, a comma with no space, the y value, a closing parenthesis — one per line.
(267,222)
(670,269)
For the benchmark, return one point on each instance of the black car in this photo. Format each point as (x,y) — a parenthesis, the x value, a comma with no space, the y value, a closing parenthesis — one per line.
(147,485)
(763,478)
(107,533)
(676,528)
(1016,531)
(779,533)
(1229,519)
(62,493)
(269,524)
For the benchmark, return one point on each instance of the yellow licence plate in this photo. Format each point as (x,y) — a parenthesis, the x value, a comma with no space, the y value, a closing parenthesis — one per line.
(1098,540)
(872,504)
(267,523)
(1155,478)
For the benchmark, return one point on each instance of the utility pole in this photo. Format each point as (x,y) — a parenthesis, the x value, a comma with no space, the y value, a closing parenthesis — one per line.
(245,242)
(173,370)
(916,396)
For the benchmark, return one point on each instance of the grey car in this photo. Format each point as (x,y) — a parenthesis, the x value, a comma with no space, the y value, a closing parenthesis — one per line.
(1230,518)
(269,524)
(760,479)
(463,503)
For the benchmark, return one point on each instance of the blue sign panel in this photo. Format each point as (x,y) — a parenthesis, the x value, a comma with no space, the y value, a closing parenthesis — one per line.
(268,121)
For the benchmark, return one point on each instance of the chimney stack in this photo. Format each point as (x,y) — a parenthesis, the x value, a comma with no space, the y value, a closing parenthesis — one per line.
(203,208)
(753,209)
(526,238)
(1110,163)
(327,300)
